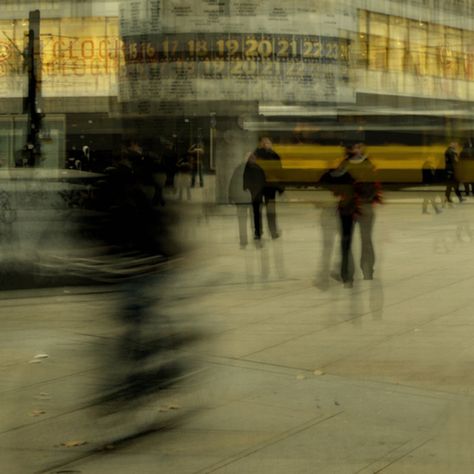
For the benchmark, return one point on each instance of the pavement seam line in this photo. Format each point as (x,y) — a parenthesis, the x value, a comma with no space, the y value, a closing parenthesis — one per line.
(394,461)
(273,440)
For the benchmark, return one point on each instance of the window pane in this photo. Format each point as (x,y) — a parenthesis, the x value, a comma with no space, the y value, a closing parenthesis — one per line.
(378,42)
(362,43)
(435,45)
(398,41)
(417,48)
(450,56)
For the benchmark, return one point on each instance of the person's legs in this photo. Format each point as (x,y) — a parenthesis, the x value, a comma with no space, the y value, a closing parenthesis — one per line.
(329,234)
(434,204)
(257,216)
(347,263)
(424,206)
(179,185)
(366,223)
(201,181)
(269,199)
(242,212)
(457,191)
(447,193)
(188,187)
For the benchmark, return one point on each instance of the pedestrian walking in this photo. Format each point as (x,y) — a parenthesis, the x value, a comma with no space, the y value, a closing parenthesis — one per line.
(358,192)
(242,200)
(270,162)
(451,159)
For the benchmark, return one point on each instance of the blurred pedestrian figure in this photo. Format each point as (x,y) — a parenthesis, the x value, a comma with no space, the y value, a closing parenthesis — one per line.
(183,177)
(429,177)
(254,182)
(86,158)
(170,163)
(358,192)
(270,162)
(466,158)
(136,252)
(146,167)
(196,152)
(242,199)
(329,233)
(451,159)
(26,157)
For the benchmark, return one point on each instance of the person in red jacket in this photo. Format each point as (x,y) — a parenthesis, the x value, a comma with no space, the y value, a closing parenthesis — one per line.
(358,191)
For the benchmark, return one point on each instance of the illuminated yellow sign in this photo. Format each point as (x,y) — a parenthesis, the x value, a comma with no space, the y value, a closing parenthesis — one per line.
(79,56)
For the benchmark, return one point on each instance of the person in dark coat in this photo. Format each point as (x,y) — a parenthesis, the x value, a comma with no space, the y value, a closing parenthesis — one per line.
(451,158)
(466,157)
(270,163)
(242,199)
(254,182)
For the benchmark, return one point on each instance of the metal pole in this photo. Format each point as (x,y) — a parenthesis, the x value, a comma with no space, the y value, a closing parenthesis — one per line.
(33,100)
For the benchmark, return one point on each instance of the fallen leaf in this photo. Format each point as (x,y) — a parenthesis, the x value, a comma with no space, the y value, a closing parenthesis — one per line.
(35,361)
(318,372)
(37,412)
(73,443)
(43,396)
(168,408)
(41,356)
(300,377)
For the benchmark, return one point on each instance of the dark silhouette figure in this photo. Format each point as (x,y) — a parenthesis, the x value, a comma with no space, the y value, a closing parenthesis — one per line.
(170,163)
(452,184)
(139,251)
(183,177)
(270,162)
(254,182)
(145,166)
(466,158)
(354,181)
(242,200)
(195,153)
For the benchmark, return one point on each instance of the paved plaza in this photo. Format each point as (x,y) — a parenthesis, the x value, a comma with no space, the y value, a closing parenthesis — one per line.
(292,372)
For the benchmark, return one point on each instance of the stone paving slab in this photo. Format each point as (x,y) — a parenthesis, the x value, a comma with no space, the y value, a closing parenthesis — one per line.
(291,377)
